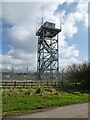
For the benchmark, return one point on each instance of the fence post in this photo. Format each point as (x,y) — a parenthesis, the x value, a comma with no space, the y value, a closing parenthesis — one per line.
(23,84)
(55,84)
(47,83)
(62,85)
(59,85)
(5,85)
(81,85)
(31,84)
(12,72)
(14,84)
(75,85)
(27,75)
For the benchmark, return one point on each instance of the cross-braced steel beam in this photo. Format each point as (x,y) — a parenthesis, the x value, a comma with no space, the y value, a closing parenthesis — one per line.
(47,57)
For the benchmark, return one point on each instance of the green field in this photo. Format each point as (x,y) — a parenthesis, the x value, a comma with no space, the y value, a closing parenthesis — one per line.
(14,102)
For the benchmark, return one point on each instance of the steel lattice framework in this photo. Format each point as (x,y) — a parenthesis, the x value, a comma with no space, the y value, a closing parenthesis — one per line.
(47,57)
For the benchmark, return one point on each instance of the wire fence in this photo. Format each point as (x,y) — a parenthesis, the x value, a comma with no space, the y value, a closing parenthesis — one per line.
(13,74)
(25,74)
(18,77)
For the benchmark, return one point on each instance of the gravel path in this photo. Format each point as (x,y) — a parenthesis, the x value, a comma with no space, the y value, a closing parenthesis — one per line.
(70,111)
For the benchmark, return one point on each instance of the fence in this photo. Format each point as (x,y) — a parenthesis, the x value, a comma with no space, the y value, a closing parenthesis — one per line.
(24,74)
(18,76)
(58,85)
(23,77)
(16,83)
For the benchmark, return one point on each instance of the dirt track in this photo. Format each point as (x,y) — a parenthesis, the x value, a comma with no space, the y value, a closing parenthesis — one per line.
(70,111)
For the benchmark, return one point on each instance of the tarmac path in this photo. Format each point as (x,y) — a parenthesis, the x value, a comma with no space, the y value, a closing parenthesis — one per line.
(70,111)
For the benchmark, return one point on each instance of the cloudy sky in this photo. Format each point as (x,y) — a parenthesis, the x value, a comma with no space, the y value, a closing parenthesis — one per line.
(19,42)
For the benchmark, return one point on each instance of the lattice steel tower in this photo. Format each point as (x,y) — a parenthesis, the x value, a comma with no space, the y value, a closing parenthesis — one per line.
(47,57)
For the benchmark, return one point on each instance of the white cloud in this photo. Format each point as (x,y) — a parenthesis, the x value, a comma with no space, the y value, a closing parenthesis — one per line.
(65,62)
(22,34)
(82,9)
(19,34)
(54,1)
(69,51)
(22,61)
(22,37)
(0,9)
(16,13)
(69,29)
(89,19)
(69,23)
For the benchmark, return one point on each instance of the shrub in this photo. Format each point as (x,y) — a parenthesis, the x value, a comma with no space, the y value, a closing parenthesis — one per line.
(79,73)
(77,93)
(27,92)
(38,90)
(56,93)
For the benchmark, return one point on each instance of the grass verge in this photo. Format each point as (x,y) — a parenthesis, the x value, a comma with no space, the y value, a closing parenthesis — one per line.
(17,102)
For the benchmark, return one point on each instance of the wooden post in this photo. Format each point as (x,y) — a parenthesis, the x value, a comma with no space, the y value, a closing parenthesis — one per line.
(55,84)
(81,85)
(27,75)
(47,83)
(5,84)
(12,74)
(14,84)
(23,84)
(62,79)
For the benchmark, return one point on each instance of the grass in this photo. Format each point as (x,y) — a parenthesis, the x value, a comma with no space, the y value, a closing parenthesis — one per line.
(16,102)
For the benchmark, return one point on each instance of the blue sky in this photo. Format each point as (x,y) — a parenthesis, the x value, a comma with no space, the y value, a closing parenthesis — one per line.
(18,32)
(81,38)
(5,40)
(69,8)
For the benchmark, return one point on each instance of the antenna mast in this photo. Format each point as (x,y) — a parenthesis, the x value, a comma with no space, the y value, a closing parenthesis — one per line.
(36,24)
(60,22)
(42,12)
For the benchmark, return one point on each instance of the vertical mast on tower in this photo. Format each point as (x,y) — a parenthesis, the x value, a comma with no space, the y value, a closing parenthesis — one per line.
(47,54)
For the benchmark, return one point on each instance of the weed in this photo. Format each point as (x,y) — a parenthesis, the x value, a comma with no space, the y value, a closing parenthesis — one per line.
(27,92)
(56,93)
(77,93)
(38,90)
